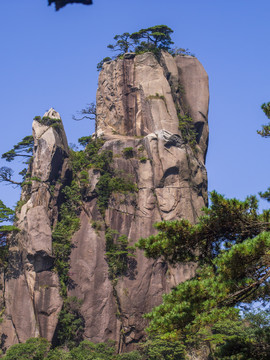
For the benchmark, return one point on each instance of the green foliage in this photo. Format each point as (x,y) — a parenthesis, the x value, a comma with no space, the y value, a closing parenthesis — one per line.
(6,174)
(24,149)
(128,152)
(117,253)
(38,349)
(84,140)
(180,51)
(19,205)
(97,225)
(123,43)
(163,349)
(248,339)
(70,323)
(47,121)
(231,243)
(101,160)
(6,215)
(188,131)
(69,223)
(100,64)
(265,132)
(133,355)
(143,159)
(84,177)
(225,223)
(89,157)
(109,183)
(265,195)
(90,351)
(58,354)
(32,349)
(153,39)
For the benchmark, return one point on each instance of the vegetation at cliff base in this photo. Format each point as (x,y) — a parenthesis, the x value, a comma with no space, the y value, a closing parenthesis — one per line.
(231,245)
(40,349)
(71,324)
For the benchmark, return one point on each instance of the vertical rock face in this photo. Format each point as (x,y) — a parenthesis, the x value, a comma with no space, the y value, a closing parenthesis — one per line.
(139,100)
(139,103)
(31,290)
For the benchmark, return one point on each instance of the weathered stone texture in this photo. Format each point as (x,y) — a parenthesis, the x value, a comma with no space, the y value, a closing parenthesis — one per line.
(31,296)
(139,100)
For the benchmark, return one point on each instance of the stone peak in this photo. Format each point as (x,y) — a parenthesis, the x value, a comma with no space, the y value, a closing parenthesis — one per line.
(52,114)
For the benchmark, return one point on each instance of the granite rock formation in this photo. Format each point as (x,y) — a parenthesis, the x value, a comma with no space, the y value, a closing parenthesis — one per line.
(139,102)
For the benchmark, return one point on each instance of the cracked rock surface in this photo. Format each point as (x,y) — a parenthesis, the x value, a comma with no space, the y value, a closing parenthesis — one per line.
(139,100)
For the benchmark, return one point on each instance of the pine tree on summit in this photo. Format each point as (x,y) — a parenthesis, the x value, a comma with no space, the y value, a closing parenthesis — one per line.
(153,39)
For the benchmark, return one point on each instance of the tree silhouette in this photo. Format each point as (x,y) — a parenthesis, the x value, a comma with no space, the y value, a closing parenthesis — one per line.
(61,3)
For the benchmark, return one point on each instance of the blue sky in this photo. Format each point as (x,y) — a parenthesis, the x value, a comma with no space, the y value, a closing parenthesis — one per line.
(48,59)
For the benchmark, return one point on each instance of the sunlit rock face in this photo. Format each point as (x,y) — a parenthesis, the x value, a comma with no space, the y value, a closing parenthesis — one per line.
(31,290)
(139,102)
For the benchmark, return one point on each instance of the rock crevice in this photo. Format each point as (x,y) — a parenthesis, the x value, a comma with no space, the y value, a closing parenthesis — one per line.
(139,100)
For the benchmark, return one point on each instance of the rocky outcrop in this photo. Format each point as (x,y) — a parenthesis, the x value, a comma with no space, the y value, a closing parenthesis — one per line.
(139,102)
(31,290)
(61,3)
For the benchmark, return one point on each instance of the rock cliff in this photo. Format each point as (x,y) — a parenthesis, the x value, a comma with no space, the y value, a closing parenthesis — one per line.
(140,101)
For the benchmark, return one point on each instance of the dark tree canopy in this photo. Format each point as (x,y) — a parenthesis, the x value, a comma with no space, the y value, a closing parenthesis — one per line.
(61,3)
(231,243)
(153,39)
(124,43)
(6,216)
(23,149)
(265,132)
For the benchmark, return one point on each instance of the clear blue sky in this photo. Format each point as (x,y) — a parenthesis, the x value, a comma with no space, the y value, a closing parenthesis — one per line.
(48,59)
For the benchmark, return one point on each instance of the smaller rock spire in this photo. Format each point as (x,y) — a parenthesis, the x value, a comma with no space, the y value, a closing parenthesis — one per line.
(52,114)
